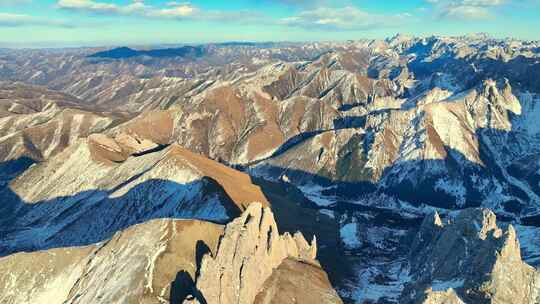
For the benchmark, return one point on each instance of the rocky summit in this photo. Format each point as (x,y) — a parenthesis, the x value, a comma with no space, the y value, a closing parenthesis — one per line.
(403,170)
(252,260)
(469,259)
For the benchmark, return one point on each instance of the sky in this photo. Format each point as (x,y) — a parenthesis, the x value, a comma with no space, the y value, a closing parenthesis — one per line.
(61,23)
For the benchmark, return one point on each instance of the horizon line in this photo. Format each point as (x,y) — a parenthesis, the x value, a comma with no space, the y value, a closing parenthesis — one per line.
(89,45)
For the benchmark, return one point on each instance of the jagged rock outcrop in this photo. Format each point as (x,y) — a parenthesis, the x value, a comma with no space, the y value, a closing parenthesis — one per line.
(249,263)
(468,258)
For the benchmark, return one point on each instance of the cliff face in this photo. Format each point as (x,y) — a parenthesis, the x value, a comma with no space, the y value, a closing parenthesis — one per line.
(253,262)
(468,258)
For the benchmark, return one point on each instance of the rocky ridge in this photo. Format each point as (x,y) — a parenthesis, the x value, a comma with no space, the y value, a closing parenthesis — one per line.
(249,256)
(87,200)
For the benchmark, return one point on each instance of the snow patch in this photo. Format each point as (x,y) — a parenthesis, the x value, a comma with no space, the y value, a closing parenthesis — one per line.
(368,289)
(329,213)
(349,236)
(315,194)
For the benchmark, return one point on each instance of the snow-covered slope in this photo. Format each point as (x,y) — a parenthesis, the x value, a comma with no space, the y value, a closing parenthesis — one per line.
(74,199)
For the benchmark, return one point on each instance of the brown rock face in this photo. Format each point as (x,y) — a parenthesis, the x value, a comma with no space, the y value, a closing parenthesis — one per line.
(250,262)
(105,149)
(442,297)
(297,282)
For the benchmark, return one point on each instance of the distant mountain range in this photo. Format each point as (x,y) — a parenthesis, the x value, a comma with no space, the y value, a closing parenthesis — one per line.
(413,161)
(126,52)
(184,51)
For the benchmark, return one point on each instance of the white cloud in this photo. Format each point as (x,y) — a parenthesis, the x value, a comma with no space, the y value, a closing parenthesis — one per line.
(465,9)
(171,10)
(175,10)
(343,19)
(88,5)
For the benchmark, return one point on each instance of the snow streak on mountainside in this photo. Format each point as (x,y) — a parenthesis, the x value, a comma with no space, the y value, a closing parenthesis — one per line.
(358,143)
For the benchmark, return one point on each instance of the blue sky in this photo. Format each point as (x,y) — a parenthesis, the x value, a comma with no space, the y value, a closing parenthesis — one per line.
(50,23)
